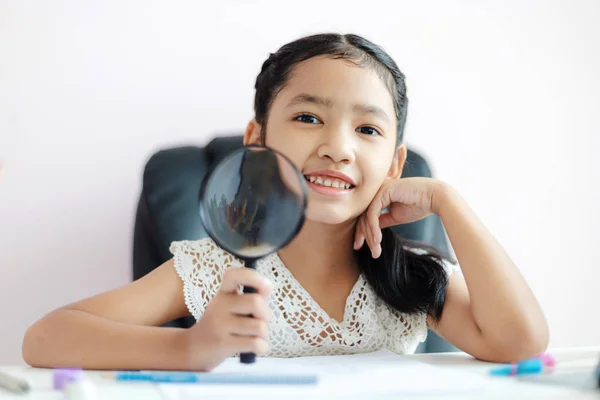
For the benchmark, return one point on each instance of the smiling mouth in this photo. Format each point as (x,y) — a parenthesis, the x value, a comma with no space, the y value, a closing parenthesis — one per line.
(328,181)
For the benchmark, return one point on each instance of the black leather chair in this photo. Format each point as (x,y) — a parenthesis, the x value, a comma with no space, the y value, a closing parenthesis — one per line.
(168,211)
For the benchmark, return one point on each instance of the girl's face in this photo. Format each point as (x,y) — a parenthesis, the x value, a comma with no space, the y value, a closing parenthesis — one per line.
(337,124)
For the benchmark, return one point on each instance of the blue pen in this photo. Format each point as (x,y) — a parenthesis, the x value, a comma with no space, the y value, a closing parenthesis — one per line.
(215,378)
(532,366)
(156,377)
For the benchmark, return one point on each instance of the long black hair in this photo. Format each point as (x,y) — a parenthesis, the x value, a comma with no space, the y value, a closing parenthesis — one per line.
(408,277)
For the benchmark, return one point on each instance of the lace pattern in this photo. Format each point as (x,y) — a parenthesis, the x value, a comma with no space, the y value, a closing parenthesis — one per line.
(299,326)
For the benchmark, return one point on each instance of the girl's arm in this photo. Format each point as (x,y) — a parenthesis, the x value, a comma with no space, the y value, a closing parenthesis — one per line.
(120,329)
(491,313)
(115,330)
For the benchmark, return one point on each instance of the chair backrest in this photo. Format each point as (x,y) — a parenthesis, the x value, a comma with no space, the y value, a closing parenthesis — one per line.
(168,210)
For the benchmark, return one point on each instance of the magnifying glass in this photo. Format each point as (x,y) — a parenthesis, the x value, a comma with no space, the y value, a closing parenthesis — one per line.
(253,204)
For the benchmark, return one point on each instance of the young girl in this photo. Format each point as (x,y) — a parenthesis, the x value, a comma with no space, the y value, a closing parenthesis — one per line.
(336,106)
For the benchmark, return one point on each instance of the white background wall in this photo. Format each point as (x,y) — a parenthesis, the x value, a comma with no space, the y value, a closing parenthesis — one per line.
(504,102)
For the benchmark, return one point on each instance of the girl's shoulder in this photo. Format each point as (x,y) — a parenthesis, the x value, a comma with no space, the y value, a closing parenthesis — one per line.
(200,246)
(201,265)
(195,257)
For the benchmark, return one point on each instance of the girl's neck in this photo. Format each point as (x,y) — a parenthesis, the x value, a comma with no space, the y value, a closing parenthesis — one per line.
(322,252)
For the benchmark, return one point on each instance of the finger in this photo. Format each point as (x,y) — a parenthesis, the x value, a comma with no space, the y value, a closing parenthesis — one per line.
(247,344)
(246,326)
(374,239)
(357,239)
(249,304)
(370,238)
(236,277)
(376,251)
(373,213)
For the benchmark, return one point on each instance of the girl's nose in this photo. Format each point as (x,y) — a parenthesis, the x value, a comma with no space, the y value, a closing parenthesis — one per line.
(337,146)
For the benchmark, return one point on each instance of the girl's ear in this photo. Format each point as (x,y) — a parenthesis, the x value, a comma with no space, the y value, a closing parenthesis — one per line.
(398,162)
(252,135)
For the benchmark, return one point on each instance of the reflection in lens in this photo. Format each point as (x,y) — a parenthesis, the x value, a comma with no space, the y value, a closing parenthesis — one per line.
(254,202)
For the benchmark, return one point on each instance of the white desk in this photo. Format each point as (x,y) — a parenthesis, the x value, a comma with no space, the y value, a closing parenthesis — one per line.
(568,360)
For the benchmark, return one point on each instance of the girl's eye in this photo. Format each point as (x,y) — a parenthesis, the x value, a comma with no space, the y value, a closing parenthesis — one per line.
(368,130)
(307,119)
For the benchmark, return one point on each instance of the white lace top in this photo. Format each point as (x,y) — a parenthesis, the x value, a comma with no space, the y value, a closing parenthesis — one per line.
(299,326)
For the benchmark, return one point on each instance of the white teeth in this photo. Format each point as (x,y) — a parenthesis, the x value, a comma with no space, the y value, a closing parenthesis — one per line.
(335,183)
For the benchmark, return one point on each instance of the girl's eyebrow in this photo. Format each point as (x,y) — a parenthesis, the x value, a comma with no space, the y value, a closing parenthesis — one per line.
(371,109)
(304,98)
(307,98)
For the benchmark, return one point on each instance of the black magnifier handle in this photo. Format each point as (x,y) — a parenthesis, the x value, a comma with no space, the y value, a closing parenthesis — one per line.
(249,358)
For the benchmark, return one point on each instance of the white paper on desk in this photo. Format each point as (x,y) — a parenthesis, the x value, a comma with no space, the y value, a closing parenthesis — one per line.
(381,372)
